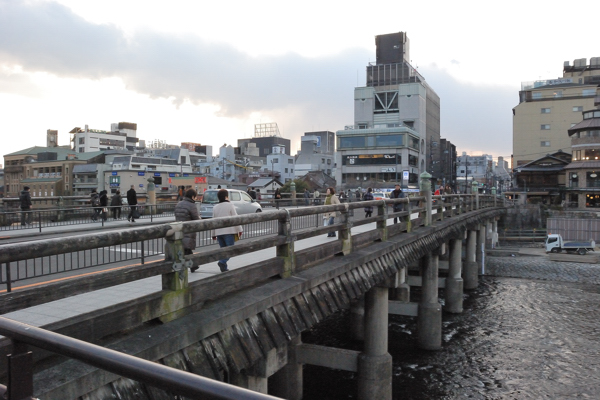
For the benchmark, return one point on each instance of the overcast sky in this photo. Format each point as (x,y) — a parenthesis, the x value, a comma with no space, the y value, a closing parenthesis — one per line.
(208,71)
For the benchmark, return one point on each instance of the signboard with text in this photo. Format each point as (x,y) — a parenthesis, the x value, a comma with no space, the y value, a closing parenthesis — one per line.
(371,159)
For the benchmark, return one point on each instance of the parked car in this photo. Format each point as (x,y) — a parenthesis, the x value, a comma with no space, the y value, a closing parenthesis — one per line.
(243,203)
(380,195)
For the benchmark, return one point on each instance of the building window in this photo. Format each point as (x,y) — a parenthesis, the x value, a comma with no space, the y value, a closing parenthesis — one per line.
(578,109)
(389,140)
(286,170)
(545,143)
(557,93)
(573,180)
(545,111)
(412,160)
(536,95)
(290,161)
(593,179)
(276,160)
(545,127)
(589,92)
(329,161)
(350,142)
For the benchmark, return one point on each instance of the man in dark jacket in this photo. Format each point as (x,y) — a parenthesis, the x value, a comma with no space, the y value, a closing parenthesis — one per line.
(95,201)
(115,205)
(25,198)
(104,204)
(186,210)
(397,193)
(132,201)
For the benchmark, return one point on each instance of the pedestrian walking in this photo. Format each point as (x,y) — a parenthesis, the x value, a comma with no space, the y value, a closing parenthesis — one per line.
(252,193)
(25,199)
(277,195)
(306,197)
(367,197)
(186,210)
(95,201)
(397,193)
(132,201)
(225,236)
(104,204)
(357,194)
(115,205)
(329,218)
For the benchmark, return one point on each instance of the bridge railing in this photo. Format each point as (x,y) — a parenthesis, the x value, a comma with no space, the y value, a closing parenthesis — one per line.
(174,269)
(163,377)
(62,216)
(60,262)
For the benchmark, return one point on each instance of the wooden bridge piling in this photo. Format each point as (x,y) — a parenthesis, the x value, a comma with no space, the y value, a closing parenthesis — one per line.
(429,320)
(454,281)
(471,279)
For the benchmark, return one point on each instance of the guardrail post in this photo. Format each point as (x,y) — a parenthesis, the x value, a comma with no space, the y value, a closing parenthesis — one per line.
(345,234)
(20,372)
(8,278)
(176,293)
(286,250)
(382,224)
(475,192)
(407,218)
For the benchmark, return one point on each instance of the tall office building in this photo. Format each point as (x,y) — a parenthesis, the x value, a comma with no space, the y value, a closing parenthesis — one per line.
(396,131)
(549,108)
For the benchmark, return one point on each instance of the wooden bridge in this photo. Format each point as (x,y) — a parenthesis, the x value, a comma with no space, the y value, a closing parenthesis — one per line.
(244,327)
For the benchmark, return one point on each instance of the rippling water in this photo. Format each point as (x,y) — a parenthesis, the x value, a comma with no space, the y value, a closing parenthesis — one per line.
(516,339)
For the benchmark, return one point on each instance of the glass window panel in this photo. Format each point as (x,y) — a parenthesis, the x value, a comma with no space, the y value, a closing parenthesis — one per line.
(352,141)
(389,140)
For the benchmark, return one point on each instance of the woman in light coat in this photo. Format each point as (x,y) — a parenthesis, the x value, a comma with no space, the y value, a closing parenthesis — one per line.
(225,236)
(330,199)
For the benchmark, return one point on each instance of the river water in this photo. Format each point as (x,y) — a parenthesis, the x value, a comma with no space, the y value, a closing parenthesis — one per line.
(516,339)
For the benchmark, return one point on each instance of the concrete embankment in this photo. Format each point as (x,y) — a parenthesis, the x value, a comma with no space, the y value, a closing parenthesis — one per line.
(533,263)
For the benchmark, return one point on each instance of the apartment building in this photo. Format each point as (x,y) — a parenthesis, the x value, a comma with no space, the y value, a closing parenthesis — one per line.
(548,108)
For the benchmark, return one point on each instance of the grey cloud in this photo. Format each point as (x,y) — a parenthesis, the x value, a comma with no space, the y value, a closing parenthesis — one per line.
(49,37)
(476,117)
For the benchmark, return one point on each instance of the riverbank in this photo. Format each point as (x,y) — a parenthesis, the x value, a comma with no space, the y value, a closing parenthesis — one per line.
(531,262)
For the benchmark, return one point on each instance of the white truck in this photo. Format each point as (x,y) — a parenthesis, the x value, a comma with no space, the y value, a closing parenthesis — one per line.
(556,244)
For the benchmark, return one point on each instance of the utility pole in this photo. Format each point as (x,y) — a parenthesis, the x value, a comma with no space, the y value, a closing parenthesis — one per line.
(466,172)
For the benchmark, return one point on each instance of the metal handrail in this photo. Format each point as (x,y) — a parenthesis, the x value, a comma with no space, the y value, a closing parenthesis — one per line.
(153,374)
